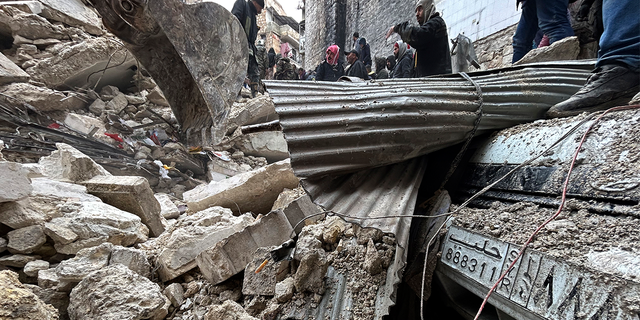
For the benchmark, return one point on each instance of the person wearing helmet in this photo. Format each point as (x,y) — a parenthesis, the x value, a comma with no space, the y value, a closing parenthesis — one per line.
(429,39)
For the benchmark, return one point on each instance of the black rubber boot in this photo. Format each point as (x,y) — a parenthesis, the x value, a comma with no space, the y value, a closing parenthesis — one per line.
(254,89)
(611,85)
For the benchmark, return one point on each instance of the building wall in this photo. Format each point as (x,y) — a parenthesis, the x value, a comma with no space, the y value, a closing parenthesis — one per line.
(477,19)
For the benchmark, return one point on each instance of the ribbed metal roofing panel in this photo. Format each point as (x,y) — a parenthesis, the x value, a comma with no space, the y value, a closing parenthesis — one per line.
(340,127)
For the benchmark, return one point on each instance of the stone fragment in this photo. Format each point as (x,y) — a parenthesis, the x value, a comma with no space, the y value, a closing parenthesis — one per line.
(334,227)
(311,271)
(48,278)
(32,268)
(18,302)
(253,191)
(285,290)
(26,240)
(132,194)
(10,72)
(45,187)
(156,96)
(231,256)
(229,310)
(14,180)
(234,294)
(97,107)
(175,294)
(218,169)
(69,164)
(116,292)
(34,7)
(42,98)
(84,124)
(268,144)
(135,100)
(108,92)
(134,259)
(168,209)
(309,241)
(95,223)
(43,43)
(365,234)
(257,110)
(118,103)
(300,211)
(264,281)
(30,26)
(17,260)
(177,248)
(86,261)
(57,299)
(3,245)
(73,13)
(372,259)
(565,49)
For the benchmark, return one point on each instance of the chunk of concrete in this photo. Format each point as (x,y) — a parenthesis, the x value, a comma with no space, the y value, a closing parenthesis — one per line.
(156,96)
(311,271)
(14,180)
(10,72)
(168,209)
(284,290)
(48,279)
(134,259)
(175,293)
(30,26)
(34,7)
(117,103)
(257,110)
(69,164)
(73,13)
(253,191)
(268,144)
(228,310)
(18,302)
(95,223)
(32,268)
(42,98)
(17,260)
(301,211)
(97,107)
(26,240)
(132,194)
(116,292)
(45,187)
(565,49)
(86,261)
(225,168)
(3,245)
(262,281)
(86,124)
(372,259)
(57,299)
(230,256)
(177,248)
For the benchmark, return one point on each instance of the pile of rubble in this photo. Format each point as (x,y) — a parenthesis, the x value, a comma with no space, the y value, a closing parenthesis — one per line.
(105,214)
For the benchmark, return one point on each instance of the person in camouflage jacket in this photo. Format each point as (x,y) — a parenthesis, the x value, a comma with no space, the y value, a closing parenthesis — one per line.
(285,70)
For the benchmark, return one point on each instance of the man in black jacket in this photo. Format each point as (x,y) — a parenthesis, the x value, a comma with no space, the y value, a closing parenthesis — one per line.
(404,62)
(430,40)
(357,68)
(246,12)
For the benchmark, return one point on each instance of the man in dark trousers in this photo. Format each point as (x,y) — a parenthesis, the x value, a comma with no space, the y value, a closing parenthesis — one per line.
(430,40)
(246,12)
(357,68)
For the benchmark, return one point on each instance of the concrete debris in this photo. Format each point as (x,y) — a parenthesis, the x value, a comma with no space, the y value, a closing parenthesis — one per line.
(57,299)
(43,98)
(134,259)
(86,125)
(30,26)
(86,261)
(18,302)
(372,260)
(218,169)
(175,294)
(97,107)
(94,223)
(69,164)
(156,96)
(131,194)
(231,255)
(311,271)
(258,110)
(48,279)
(229,310)
(32,268)
(45,187)
(10,72)
(73,13)
(15,182)
(268,144)
(26,240)
(565,49)
(117,103)
(253,191)
(3,244)
(261,278)
(137,297)
(17,260)
(284,290)
(168,209)
(177,248)
(34,7)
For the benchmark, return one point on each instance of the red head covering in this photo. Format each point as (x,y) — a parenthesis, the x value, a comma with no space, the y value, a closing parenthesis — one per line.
(335,50)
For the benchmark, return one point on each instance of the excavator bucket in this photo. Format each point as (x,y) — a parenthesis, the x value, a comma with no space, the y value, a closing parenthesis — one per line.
(197,53)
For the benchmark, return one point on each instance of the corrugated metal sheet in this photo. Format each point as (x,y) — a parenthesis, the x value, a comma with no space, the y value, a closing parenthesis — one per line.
(339,127)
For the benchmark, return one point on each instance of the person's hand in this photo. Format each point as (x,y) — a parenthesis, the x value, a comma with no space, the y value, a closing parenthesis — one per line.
(390,32)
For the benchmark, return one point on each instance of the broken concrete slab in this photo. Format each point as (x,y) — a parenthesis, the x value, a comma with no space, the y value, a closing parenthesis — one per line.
(18,302)
(34,7)
(177,248)
(74,13)
(257,110)
(95,223)
(86,261)
(261,279)
(230,256)
(117,103)
(137,297)
(10,72)
(132,194)
(69,164)
(26,240)
(97,107)
(30,26)
(17,260)
(253,191)
(228,310)
(45,187)
(298,207)
(42,98)
(32,268)
(134,259)
(224,169)
(168,209)
(268,144)
(565,49)
(85,124)
(15,181)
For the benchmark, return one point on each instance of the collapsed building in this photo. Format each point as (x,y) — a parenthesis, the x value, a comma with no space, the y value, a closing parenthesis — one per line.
(146,188)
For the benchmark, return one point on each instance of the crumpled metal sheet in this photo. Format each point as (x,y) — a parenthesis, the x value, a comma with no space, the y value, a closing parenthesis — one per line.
(339,127)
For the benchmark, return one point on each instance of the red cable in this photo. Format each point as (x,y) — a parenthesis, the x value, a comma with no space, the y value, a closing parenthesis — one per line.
(564,197)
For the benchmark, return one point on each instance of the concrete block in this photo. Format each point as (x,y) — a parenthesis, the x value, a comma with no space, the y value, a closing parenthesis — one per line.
(263,282)
(132,194)
(565,49)
(69,164)
(14,180)
(134,259)
(175,294)
(257,110)
(10,72)
(26,240)
(226,168)
(268,144)
(231,256)
(168,209)
(298,210)
(86,124)
(253,191)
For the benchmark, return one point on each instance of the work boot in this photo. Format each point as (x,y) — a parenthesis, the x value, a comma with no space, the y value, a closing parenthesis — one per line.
(254,89)
(611,85)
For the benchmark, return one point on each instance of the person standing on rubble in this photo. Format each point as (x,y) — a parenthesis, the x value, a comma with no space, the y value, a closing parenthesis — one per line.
(246,12)
(429,39)
(356,67)
(617,75)
(404,63)
(550,16)
(330,69)
(262,58)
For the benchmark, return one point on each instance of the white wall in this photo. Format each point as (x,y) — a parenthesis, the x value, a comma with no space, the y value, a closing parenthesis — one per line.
(477,18)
